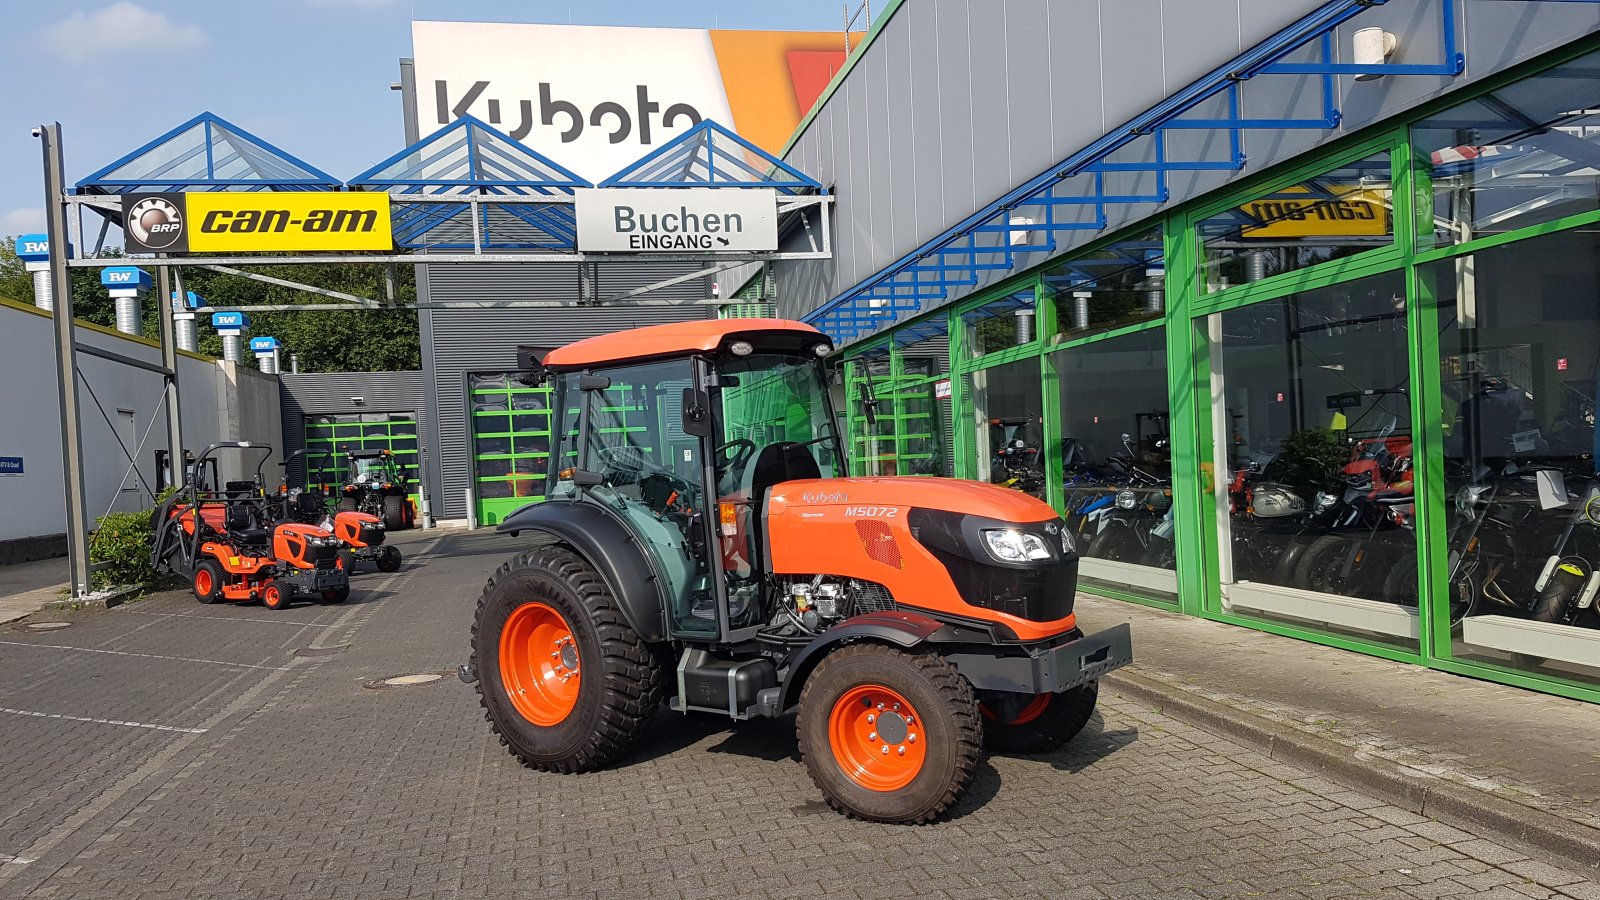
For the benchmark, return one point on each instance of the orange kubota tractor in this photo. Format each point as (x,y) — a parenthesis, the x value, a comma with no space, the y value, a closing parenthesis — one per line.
(361,535)
(226,543)
(700,548)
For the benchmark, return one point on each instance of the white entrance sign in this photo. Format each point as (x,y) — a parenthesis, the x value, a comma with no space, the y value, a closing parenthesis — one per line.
(676,220)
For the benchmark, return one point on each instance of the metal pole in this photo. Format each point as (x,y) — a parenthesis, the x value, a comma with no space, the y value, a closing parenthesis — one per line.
(55,208)
(169,358)
(183,330)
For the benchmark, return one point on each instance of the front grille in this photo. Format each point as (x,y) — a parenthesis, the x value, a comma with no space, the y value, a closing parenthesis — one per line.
(1039,594)
(879,542)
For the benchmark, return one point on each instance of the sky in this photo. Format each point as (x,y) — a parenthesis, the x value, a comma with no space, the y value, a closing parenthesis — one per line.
(311,76)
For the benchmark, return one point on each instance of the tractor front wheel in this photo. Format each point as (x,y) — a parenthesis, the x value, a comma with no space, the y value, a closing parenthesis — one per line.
(565,682)
(274,596)
(1015,723)
(889,735)
(208,581)
(388,559)
(335,595)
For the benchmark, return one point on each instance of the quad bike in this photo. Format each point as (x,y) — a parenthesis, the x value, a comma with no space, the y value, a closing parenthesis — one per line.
(360,534)
(693,554)
(228,546)
(378,485)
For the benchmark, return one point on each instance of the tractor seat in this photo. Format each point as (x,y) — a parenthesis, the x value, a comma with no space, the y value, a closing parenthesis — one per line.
(244,529)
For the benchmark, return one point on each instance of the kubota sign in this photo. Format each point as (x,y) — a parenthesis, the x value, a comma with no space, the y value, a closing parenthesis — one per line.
(669,220)
(279,221)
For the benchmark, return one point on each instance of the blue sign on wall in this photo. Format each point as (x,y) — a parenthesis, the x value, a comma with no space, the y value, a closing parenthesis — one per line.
(33,248)
(10,465)
(234,320)
(125,277)
(263,344)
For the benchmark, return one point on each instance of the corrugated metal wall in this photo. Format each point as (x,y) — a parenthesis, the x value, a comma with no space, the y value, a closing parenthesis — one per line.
(329,393)
(958,101)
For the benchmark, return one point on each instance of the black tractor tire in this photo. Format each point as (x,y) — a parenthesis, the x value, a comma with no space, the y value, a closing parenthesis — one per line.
(389,559)
(394,512)
(946,720)
(346,504)
(621,682)
(1059,720)
(1319,565)
(207,573)
(347,560)
(1117,543)
(335,595)
(275,596)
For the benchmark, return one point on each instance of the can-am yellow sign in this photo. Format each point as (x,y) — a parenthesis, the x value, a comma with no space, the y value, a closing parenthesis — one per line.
(266,221)
(1297,213)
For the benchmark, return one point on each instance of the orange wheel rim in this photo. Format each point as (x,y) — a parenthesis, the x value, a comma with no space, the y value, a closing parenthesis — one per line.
(877,738)
(272,596)
(202,581)
(1033,710)
(539,664)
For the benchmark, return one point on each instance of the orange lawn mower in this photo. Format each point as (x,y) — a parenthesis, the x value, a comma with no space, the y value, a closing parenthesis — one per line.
(361,534)
(226,544)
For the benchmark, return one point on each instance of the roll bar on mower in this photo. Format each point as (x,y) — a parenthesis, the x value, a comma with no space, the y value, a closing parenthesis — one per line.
(194,495)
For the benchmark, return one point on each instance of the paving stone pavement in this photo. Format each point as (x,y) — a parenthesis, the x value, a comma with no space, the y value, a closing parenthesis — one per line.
(207,755)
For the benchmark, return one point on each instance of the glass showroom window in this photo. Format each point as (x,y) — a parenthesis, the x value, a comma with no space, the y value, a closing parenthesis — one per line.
(1312,423)
(1337,214)
(1519,344)
(1119,285)
(1117,460)
(1006,403)
(1002,323)
(1525,154)
(923,425)
(874,427)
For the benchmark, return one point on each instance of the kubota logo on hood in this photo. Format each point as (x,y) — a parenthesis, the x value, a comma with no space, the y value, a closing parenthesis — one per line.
(825,497)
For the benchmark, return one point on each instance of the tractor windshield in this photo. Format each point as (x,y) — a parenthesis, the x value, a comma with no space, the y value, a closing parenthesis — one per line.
(777,423)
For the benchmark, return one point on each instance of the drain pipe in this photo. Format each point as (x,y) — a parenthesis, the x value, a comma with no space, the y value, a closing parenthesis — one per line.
(126,285)
(294,364)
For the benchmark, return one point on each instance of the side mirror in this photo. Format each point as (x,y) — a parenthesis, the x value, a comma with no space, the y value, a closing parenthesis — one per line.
(696,412)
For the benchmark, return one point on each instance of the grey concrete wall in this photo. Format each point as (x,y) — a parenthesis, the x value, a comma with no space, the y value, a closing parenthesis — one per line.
(216,405)
(958,101)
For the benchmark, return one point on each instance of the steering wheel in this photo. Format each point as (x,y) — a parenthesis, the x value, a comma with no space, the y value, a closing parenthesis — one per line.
(736,452)
(623,458)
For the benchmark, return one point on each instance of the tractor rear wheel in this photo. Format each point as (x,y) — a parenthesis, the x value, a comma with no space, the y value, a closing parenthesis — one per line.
(1038,724)
(346,504)
(335,595)
(394,512)
(207,581)
(889,735)
(565,682)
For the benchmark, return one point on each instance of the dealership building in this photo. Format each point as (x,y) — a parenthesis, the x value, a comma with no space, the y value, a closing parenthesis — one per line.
(1291,307)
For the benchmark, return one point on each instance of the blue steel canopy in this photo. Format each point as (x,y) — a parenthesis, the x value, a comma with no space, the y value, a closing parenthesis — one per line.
(207,153)
(709,155)
(1128,166)
(467,158)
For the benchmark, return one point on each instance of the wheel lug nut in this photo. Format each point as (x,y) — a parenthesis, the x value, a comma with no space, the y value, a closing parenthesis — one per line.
(897,707)
(912,739)
(902,751)
(873,736)
(885,749)
(871,718)
(880,706)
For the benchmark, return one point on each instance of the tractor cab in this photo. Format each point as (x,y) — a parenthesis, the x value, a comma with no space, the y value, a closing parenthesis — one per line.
(702,547)
(686,450)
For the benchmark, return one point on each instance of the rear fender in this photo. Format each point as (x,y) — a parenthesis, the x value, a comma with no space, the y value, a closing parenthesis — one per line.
(611,548)
(897,629)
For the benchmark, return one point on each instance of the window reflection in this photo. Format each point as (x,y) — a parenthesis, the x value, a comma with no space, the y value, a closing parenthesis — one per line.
(1118,285)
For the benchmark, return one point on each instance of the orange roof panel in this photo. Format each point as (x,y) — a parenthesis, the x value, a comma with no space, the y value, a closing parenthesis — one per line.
(674,339)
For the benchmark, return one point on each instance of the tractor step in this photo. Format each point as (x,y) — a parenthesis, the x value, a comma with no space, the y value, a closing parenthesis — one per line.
(742,689)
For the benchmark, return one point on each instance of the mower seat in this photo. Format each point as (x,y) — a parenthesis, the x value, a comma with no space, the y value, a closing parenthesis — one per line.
(243,529)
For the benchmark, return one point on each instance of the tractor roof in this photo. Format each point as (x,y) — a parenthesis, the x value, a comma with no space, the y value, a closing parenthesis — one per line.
(681,339)
(368,454)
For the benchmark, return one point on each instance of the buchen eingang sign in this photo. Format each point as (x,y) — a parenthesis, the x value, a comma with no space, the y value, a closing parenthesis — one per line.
(676,220)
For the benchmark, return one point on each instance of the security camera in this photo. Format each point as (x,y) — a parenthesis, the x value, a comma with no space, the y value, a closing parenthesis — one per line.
(37,132)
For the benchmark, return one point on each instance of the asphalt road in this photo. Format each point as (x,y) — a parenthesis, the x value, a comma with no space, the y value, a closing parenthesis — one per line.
(167,749)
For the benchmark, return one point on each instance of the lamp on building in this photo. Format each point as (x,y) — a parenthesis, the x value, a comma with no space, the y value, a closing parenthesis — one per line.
(1371,47)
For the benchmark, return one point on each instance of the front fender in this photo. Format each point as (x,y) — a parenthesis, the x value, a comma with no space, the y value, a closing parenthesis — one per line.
(611,548)
(902,629)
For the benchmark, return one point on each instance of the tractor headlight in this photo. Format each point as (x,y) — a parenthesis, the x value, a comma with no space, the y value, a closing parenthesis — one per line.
(1010,545)
(1126,500)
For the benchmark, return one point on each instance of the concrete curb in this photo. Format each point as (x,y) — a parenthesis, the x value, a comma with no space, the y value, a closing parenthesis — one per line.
(1454,804)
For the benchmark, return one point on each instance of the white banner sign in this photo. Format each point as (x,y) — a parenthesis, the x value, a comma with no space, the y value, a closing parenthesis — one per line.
(676,220)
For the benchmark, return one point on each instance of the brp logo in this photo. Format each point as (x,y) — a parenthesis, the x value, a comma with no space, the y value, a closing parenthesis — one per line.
(155,222)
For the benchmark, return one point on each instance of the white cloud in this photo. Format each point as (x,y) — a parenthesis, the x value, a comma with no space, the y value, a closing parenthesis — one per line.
(112,33)
(22,220)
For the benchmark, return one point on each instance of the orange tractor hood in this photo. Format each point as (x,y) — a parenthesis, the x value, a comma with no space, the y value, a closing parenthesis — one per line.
(950,494)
